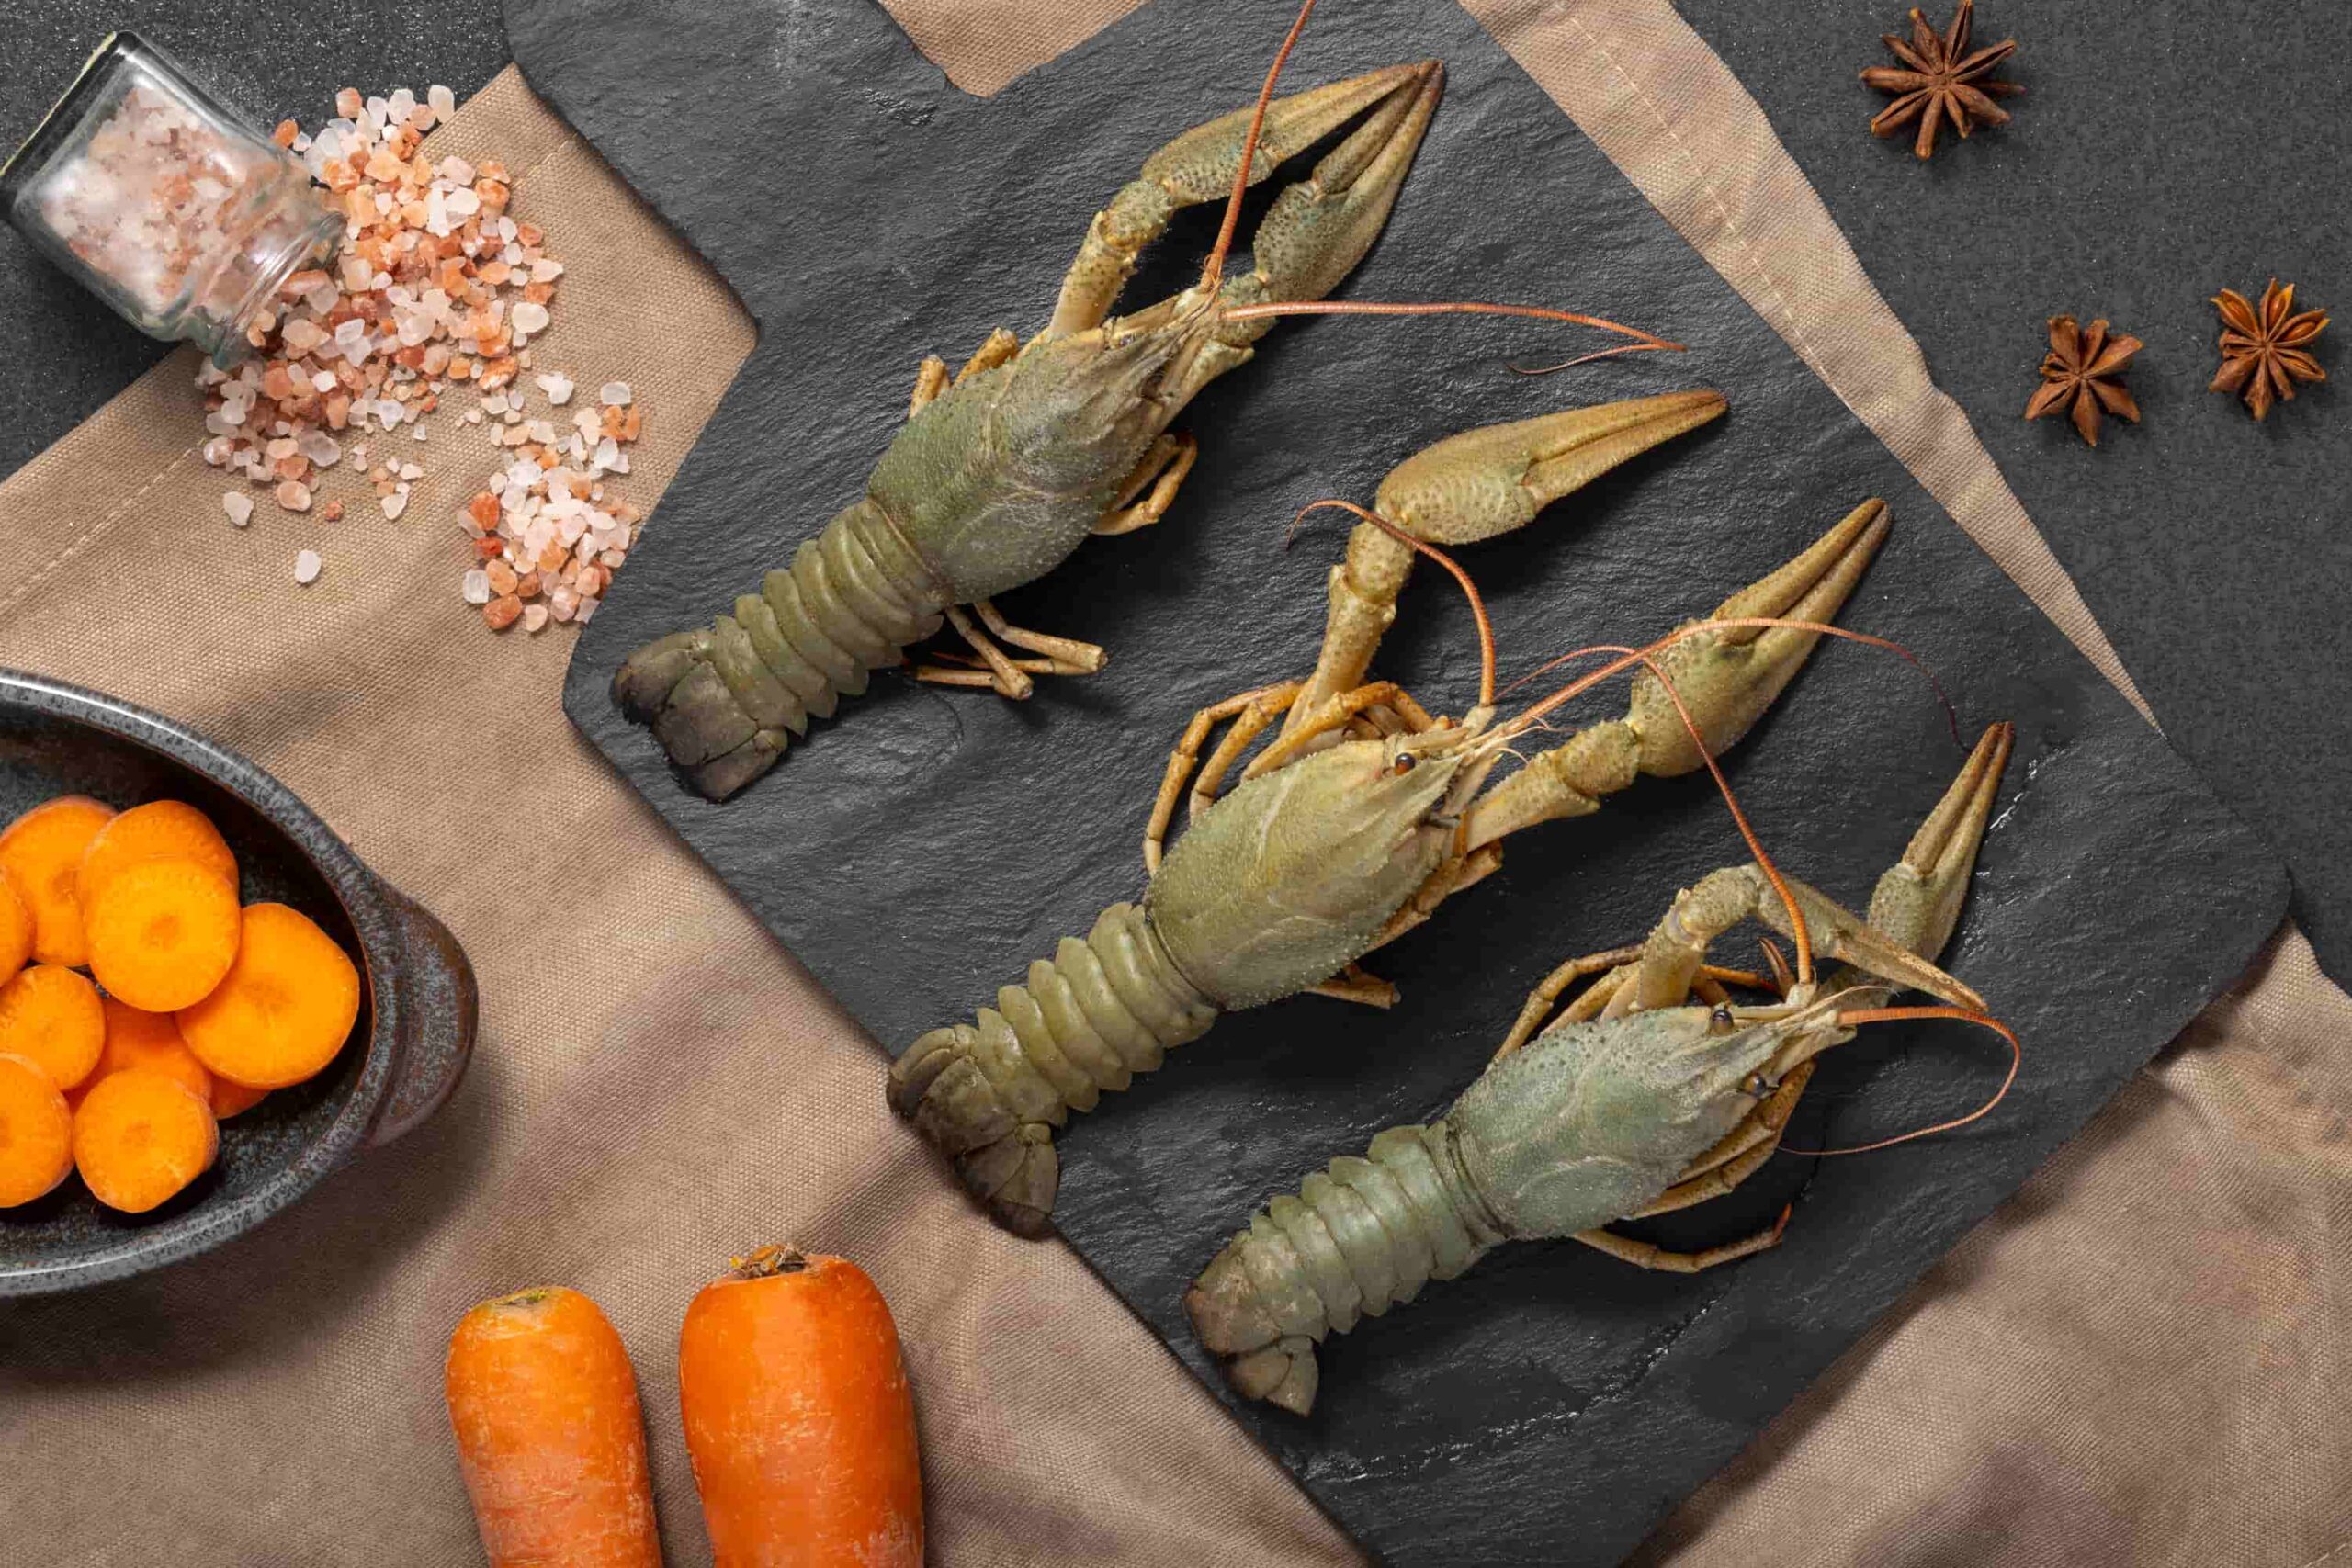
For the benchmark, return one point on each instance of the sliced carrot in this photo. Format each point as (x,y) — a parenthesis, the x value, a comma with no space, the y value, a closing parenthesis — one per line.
(163,933)
(285,1007)
(16,929)
(41,854)
(36,1132)
(150,1040)
(160,830)
(140,1137)
(52,1017)
(233,1099)
(550,1437)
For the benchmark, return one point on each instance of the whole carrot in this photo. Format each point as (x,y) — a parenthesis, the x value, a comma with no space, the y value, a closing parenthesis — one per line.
(799,1419)
(543,1404)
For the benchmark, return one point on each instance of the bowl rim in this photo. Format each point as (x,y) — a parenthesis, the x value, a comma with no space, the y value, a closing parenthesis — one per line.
(365,903)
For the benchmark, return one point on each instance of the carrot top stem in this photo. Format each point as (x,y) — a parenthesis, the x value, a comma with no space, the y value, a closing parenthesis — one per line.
(767,1262)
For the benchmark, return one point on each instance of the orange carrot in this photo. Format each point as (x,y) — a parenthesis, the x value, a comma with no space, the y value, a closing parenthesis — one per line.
(36,1132)
(550,1437)
(149,1040)
(160,830)
(139,1137)
(162,932)
(285,1007)
(233,1099)
(52,1017)
(16,930)
(799,1419)
(41,854)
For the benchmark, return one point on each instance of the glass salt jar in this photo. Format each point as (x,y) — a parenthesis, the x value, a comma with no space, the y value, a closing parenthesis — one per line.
(174,209)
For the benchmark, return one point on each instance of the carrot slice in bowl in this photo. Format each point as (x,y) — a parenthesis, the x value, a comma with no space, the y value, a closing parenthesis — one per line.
(285,1007)
(149,1040)
(52,1017)
(16,930)
(160,830)
(163,933)
(140,1137)
(36,1132)
(41,853)
(233,1099)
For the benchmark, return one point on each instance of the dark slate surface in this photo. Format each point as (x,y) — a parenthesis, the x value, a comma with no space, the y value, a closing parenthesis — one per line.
(921,850)
(66,352)
(2159,154)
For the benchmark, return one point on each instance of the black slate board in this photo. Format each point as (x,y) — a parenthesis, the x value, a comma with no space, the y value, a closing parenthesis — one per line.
(2159,154)
(919,851)
(66,352)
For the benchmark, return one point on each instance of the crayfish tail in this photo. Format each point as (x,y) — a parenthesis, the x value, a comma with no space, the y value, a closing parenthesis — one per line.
(727,701)
(1283,1374)
(1357,1239)
(989,1093)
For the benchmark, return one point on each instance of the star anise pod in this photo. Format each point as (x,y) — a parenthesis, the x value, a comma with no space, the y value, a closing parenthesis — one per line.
(2080,369)
(1941,81)
(2264,351)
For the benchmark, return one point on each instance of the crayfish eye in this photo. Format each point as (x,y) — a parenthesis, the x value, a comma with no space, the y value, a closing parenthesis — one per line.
(1720,1021)
(1756,1086)
(1405,763)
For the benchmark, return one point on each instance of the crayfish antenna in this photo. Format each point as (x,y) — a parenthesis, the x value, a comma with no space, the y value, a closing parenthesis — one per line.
(1212,281)
(1213,269)
(1890,1015)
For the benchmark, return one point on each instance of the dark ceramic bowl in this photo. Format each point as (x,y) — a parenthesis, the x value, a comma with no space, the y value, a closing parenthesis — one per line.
(404,1055)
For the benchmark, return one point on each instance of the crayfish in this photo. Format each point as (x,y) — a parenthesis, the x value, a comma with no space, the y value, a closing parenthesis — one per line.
(1651,1092)
(999,474)
(1352,826)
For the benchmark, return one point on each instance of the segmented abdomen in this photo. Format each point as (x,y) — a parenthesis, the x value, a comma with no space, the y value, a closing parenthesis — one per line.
(724,701)
(1358,1237)
(990,1092)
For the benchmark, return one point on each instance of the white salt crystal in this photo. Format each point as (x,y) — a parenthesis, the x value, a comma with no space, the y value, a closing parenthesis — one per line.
(614,394)
(444,101)
(239,507)
(530,317)
(321,448)
(477,587)
(557,385)
(323,381)
(410,471)
(462,202)
(545,271)
(535,618)
(306,567)
(394,504)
